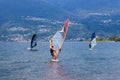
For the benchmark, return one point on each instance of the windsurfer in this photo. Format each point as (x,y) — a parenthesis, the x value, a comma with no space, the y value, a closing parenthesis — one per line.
(52,51)
(90,45)
(33,41)
(92,41)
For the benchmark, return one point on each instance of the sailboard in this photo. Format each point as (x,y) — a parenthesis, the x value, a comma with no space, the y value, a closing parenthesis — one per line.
(33,43)
(59,37)
(92,41)
(55,60)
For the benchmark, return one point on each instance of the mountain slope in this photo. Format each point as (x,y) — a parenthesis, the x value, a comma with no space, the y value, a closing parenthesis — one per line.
(19,19)
(72,5)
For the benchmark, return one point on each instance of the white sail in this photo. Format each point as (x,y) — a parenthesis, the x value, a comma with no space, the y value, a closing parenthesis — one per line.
(59,37)
(93,41)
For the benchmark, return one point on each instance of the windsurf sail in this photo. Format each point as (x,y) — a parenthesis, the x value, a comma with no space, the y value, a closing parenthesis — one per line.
(58,39)
(93,41)
(33,41)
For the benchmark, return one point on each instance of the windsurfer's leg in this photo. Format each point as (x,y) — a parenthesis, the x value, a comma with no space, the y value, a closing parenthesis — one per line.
(55,56)
(89,45)
(52,54)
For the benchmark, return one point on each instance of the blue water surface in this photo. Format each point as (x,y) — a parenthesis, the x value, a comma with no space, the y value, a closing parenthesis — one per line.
(76,62)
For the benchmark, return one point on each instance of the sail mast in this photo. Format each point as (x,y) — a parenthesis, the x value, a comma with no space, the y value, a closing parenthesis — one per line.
(65,29)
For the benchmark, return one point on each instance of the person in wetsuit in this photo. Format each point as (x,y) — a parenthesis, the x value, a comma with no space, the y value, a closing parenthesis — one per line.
(90,45)
(53,51)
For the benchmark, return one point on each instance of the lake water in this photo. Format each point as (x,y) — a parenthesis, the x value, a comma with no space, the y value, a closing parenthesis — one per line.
(76,62)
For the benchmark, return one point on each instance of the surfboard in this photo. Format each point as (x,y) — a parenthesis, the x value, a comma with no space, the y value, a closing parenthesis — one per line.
(54,60)
(90,49)
(31,49)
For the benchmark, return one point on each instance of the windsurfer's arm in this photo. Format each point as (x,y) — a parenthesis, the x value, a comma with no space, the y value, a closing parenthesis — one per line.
(50,43)
(50,46)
